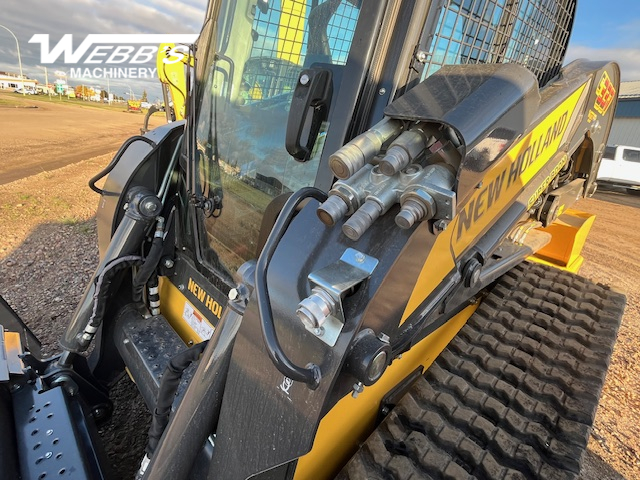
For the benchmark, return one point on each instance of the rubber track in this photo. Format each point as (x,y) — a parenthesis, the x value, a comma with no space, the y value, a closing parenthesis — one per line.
(515,393)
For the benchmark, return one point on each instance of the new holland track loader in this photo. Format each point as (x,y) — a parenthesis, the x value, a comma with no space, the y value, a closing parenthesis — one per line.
(353,258)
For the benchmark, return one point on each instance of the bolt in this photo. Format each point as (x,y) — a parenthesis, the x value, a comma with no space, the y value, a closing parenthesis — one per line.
(168,263)
(318,331)
(48,455)
(358,388)
(360,257)
(233,294)
(48,433)
(304,79)
(382,91)
(440,225)
(384,337)
(421,56)
(149,206)
(181,287)
(15,387)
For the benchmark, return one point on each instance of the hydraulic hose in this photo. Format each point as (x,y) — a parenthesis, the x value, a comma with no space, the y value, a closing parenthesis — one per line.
(166,393)
(143,210)
(150,263)
(102,291)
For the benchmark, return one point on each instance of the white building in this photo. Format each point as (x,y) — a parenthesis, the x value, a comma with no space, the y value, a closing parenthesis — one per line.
(11,81)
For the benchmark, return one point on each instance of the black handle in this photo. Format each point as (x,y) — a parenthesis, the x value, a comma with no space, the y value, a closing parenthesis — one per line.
(309,108)
(311,374)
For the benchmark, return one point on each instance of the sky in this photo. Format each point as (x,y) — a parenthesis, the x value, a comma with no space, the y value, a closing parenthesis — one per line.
(608,30)
(81,17)
(603,30)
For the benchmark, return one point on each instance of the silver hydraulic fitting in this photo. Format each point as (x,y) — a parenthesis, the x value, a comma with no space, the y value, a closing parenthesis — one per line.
(314,310)
(404,150)
(359,151)
(429,196)
(379,201)
(346,196)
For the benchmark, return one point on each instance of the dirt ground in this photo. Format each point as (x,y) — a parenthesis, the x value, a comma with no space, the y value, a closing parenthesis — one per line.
(48,251)
(38,136)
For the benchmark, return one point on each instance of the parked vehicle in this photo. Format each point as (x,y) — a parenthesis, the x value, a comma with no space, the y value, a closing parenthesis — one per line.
(620,166)
(27,90)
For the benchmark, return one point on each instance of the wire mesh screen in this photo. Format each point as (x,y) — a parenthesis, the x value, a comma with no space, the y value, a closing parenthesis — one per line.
(533,33)
(292,34)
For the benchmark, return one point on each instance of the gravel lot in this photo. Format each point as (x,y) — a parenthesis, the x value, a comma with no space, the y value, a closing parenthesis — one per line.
(48,252)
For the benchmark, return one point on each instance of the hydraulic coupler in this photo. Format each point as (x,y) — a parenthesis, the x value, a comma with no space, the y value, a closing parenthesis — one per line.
(361,150)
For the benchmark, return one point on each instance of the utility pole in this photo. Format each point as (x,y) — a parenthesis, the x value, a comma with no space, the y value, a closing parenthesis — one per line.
(19,58)
(46,82)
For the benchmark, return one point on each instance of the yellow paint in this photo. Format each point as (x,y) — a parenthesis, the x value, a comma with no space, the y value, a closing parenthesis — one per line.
(573,267)
(291,30)
(173,77)
(568,236)
(564,158)
(501,185)
(172,307)
(352,419)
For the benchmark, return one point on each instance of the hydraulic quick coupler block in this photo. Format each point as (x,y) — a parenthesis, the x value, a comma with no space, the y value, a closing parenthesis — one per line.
(423,192)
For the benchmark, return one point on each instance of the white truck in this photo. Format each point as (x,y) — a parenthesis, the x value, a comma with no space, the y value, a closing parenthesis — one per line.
(621,166)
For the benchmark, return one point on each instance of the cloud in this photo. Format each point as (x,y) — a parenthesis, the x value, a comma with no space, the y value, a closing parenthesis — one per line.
(627,58)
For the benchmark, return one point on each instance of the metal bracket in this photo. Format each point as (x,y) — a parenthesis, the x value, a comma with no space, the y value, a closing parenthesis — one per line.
(329,286)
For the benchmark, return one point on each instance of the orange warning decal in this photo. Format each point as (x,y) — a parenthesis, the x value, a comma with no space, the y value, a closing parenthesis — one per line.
(605,94)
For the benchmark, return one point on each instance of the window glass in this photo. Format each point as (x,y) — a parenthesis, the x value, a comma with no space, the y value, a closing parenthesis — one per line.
(631,155)
(240,136)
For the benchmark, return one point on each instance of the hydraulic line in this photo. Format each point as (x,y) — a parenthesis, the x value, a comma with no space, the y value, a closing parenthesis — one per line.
(102,291)
(166,393)
(164,188)
(150,263)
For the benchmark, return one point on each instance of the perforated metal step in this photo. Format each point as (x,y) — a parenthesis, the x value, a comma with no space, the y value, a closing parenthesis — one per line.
(53,436)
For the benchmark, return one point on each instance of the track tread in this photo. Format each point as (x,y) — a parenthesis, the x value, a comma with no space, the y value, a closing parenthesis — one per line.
(513,396)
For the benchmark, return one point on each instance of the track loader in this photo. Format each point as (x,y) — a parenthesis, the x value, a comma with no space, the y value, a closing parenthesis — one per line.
(354,258)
